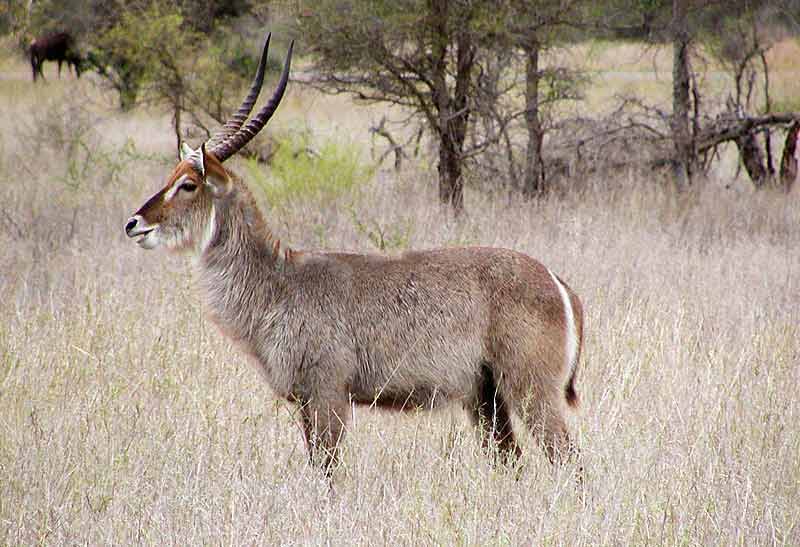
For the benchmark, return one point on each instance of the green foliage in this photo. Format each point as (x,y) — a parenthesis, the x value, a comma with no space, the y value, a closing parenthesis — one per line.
(46,16)
(86,18)
(790,103)
(12,16)
(214,88)
(156,54)
(300,173)
(148,38)
(204,15)
(235,51)
(147,49)
(384,236)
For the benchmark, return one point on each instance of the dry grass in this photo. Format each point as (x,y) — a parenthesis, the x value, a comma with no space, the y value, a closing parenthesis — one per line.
(126,418)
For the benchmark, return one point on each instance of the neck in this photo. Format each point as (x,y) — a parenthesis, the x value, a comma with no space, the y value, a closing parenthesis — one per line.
(241,265)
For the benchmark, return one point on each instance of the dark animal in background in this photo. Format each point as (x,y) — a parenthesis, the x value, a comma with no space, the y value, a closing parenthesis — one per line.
(59,47)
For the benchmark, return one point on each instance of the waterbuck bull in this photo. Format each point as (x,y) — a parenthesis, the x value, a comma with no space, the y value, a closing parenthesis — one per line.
(492,329)
(58,47)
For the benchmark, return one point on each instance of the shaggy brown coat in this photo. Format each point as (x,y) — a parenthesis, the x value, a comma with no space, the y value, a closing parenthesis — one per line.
(486,327)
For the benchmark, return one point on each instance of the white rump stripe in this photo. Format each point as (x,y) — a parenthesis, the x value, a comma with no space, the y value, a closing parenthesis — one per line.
(572,333)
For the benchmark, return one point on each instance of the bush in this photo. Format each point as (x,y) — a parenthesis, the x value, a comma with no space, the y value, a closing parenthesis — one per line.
(299,172)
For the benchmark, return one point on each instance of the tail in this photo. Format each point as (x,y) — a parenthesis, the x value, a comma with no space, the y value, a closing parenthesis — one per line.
(573,400)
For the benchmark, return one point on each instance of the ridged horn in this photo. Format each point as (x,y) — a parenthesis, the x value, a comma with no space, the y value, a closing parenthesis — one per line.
(237,120)
(235,142)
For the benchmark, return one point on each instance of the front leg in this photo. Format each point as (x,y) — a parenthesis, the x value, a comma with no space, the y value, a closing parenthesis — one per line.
(324,421)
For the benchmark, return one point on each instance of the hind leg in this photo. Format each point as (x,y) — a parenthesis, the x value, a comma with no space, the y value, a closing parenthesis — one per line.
(550,429)
(490,413)
(545,418)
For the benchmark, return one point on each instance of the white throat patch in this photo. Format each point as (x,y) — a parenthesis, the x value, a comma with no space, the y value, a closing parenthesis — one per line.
(210,230)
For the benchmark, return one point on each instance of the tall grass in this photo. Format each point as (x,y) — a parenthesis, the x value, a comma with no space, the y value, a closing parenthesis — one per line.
(125,417)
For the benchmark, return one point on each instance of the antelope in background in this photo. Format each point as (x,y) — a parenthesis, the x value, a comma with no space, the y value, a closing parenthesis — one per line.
(58,47)
(492,329)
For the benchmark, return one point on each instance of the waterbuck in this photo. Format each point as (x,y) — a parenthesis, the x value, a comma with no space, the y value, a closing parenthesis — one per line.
(58,47)
(492,329)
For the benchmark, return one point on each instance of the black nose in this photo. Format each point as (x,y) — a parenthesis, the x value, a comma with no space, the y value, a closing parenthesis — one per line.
(130,226)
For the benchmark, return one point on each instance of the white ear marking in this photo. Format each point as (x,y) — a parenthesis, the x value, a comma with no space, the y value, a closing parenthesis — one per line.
(186,151)
(195,157)
(201,160)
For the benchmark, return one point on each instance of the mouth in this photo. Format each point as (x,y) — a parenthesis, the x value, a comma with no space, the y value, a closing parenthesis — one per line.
(141,238)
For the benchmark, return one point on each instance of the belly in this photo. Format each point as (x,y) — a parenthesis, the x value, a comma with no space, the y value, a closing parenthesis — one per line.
(419,381)
(419,398)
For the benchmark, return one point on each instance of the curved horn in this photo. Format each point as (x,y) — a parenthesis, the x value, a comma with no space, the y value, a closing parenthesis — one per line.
(235,122)
(234,143)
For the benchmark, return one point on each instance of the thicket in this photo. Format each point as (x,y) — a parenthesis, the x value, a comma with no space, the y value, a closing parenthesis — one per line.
(473,74)
(189,56)
(483,82)
(302,171)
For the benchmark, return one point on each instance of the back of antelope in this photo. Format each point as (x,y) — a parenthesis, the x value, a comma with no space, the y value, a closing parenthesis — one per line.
(491,329)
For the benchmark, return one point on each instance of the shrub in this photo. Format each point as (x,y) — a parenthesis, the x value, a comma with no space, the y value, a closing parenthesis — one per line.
(384,236)
(299,172)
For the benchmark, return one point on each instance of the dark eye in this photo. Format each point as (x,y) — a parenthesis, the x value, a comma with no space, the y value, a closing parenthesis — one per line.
(189,186)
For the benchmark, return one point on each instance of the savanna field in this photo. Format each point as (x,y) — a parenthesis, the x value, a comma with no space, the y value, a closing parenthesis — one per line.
(126,417)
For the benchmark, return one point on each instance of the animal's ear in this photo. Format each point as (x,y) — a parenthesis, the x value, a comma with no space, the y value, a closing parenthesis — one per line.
(217,180)
(195,157)
(200,160)
(184,152)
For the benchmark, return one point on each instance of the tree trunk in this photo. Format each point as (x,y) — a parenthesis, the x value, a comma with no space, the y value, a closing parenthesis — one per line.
(487,96)
(789,158)
(177,108)
(534,178)
(681,135)
(451,185)
(767,108)
(453,112)
(752,158)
